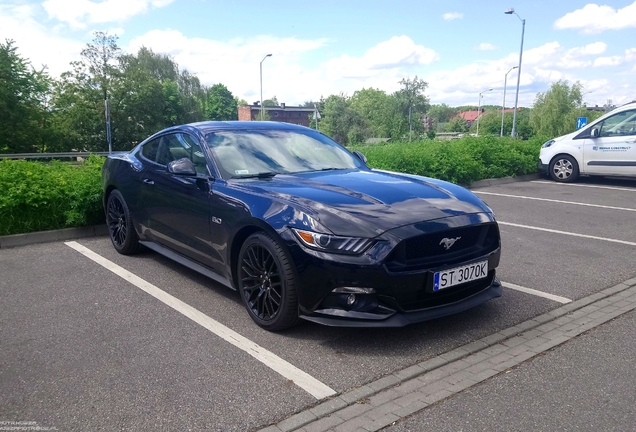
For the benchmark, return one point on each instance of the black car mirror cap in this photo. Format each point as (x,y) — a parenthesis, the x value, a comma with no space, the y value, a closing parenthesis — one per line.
(182,167)
(360,156)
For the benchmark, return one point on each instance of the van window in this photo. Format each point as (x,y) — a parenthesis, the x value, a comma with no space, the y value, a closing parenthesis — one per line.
(620,124)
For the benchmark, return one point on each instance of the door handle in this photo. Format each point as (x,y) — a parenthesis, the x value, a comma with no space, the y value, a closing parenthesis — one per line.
(631,141)
(148,181)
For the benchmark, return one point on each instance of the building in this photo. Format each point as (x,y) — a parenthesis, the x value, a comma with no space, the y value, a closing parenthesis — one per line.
(470,116)
(286,114)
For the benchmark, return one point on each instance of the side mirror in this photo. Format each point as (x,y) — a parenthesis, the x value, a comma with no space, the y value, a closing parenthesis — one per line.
(182,167)
(594,133)
(360,156)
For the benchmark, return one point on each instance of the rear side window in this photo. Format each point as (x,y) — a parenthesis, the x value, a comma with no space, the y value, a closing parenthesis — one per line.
(149,150)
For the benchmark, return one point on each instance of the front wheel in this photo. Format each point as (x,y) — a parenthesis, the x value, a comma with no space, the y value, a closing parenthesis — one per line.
(267,283)
(120,226)
(563,168)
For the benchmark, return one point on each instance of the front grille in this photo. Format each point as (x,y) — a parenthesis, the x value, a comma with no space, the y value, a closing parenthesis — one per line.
(427,250)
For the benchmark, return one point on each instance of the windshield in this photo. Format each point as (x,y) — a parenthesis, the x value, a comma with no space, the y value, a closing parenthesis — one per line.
(257,152)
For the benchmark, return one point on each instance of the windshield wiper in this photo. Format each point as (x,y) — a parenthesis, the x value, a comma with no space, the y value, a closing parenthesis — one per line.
(267,174)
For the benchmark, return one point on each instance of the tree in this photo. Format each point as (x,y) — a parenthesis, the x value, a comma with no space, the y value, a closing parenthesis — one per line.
(441,113)
(78,98)
(456,124)
(378,110)
(412,100)
(221,104)
(23,94)
(555,111)
(341,122)
(271,102)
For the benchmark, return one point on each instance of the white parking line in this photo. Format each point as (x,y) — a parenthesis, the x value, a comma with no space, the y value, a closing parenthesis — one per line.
(303,380)
(536,293)
(585,185)
(556,201)
(567,233)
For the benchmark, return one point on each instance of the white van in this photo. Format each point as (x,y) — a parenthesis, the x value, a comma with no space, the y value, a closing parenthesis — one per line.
(605,147)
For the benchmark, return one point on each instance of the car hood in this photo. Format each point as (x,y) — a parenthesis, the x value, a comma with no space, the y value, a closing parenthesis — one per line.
(367,202)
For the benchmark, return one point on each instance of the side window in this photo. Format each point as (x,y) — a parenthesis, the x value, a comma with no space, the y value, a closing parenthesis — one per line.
(620,124)
(178,146)
(149,150)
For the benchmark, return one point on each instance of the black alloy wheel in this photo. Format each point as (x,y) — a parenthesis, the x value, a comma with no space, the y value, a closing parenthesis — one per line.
(120,227)
(267,283)
(564,169)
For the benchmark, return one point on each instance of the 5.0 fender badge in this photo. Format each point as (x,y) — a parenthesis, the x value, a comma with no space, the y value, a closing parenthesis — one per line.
(448,242)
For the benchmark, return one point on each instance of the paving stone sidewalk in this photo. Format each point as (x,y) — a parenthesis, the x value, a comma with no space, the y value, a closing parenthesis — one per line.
(396,396)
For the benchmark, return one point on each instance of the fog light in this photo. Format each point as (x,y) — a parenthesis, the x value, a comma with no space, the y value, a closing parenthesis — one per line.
(351,299)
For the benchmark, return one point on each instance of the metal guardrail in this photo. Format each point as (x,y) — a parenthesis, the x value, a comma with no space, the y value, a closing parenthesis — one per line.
(52,155)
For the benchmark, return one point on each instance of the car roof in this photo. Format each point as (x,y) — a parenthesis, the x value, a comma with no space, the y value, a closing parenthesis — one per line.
(211,126)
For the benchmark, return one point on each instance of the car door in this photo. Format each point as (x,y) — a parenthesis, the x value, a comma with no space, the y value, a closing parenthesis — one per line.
(613,150)
(178,207)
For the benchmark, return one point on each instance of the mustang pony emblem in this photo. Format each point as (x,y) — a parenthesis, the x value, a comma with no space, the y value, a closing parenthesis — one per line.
(448,243)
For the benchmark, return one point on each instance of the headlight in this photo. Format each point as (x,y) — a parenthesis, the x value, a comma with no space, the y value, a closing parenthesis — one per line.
(333,244)
(547,144)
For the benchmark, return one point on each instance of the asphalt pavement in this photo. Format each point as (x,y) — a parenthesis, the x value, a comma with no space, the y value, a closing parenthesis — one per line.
(83,346)
(587,384)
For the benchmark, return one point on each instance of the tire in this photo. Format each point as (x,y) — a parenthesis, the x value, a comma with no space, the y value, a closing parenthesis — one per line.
(563,168)
(120,226)
(267,283)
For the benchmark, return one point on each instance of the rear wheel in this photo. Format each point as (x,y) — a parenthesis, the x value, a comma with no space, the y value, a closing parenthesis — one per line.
(563,168)
(120,226)
(267,283)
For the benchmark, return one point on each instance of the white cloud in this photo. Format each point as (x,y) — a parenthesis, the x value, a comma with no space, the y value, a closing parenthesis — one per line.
(79,13)
(484,46)
(594,19)
(450,16)
(41,45)
(608,61)
(235,63)
(541,67)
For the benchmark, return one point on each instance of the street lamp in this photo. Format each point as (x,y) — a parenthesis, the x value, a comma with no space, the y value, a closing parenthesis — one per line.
(479,108)
(268,55)
(503,106)
(523,29)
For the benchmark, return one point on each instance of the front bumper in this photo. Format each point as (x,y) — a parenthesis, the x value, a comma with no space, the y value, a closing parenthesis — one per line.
(543,168)
(401,319)
(390,290)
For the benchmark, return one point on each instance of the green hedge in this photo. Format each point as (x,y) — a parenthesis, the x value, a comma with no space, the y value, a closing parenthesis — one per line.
(460,161)
(38,196)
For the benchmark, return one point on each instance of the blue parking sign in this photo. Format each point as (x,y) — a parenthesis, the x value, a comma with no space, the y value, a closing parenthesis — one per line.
(580,122)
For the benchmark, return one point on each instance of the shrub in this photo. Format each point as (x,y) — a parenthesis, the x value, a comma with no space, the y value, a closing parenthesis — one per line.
(37,196)
(460,161)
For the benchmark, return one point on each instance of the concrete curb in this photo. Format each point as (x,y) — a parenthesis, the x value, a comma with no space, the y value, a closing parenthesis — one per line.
(504,180)
(401,394)
(16,240)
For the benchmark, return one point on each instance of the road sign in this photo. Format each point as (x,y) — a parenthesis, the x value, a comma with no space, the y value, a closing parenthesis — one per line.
(580,122)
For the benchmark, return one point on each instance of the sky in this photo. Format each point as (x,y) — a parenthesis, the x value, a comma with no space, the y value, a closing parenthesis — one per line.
(460,48)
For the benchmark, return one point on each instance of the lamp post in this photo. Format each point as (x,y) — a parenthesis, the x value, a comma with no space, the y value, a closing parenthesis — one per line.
(523,29)
(503,106)
(268,55)
(479,108)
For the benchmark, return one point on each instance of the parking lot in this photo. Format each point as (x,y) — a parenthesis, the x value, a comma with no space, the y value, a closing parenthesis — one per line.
(93,340)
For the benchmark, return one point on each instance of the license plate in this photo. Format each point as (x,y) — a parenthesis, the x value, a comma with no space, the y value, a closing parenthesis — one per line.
(460,275)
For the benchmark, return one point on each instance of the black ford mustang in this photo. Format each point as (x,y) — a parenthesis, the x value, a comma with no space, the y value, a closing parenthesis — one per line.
(301,226)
